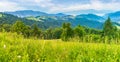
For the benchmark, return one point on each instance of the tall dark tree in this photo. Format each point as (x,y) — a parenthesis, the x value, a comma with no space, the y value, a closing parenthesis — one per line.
(36,31)
(109,29)
(67,32)
(57,33)
(49,33)
(27,31)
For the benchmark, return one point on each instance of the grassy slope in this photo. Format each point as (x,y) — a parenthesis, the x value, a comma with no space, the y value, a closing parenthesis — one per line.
(14,48)
(0,15)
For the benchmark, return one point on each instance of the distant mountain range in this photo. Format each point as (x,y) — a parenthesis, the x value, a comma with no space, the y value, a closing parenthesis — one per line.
(114,16)
(26,13)
(46,20)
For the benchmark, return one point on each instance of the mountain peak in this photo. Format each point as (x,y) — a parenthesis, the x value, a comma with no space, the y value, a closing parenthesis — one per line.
(60,14)
(115,16)
(26,13)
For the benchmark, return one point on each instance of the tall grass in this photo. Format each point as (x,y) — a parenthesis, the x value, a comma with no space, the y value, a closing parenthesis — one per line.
(14,48)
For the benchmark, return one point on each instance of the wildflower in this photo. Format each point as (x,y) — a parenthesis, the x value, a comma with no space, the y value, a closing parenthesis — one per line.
(19,56)
(38,60)
(4,46)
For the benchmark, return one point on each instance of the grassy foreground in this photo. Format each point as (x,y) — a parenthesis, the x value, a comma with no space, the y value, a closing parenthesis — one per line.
(14,48)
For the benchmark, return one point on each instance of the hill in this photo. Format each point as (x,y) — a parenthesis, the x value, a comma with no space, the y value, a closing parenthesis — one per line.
(45,20)
(115,16)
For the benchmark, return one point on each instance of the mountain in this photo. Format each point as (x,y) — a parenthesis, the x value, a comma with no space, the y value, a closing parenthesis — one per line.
(88,22)
(46,20)
(11,19)
(42,22)
(74,20)
(91,17)
(60,14)
(57,15)
(26,13)
(115,16)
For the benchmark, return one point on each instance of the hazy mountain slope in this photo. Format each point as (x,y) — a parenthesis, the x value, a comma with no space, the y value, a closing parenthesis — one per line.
(115,16)
(91,17)
(45,20)
(26,13)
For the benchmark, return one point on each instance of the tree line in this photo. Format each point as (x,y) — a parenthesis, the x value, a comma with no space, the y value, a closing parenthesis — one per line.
(108,34)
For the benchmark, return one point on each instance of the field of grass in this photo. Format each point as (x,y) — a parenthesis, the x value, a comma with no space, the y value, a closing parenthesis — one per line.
(14,48)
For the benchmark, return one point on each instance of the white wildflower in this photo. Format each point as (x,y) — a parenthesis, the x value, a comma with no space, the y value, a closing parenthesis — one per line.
(38,60)
(19,56)
(4,46)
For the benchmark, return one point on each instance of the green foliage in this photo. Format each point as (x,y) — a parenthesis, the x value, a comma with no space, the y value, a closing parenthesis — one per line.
(27,31)
(79,31)
(109,30)
(1,15)
(57,33)
(18,27)
(49,33)
(21,28)
(52,33)
(5,27)
(108,27)
(36,31)
(67,32)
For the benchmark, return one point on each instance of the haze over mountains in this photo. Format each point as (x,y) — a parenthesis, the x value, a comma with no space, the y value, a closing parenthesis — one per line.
(27,13)
(56,20)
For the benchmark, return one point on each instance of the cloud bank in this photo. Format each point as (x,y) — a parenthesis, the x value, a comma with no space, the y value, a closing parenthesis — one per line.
(54,6)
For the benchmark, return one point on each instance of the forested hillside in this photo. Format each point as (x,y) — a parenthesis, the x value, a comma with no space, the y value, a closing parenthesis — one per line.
(62,27)
(10,19)
(54,21)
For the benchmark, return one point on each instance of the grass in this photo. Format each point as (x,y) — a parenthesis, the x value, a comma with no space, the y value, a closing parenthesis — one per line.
(33,18)
(0,15)
(14,48)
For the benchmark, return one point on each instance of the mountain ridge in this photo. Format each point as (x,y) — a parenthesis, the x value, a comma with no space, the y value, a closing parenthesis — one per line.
(56,20)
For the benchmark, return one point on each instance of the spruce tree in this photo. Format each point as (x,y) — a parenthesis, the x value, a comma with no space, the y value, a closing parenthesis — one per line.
(109,30)
(108,27)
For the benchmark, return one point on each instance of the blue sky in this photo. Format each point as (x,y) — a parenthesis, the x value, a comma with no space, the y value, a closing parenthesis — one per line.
(62,6)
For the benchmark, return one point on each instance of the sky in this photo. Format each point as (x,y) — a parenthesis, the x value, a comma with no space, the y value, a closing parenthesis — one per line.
(74,7)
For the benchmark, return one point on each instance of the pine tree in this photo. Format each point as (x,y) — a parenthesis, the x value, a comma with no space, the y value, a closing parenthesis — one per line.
(108,27)
(109,30)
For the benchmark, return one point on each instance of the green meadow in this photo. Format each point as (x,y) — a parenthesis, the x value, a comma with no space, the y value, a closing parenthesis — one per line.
(15,48)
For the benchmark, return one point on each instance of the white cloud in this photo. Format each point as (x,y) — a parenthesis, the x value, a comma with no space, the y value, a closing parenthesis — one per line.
(49,6)
(44,3)
(9,6)
(95,4)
